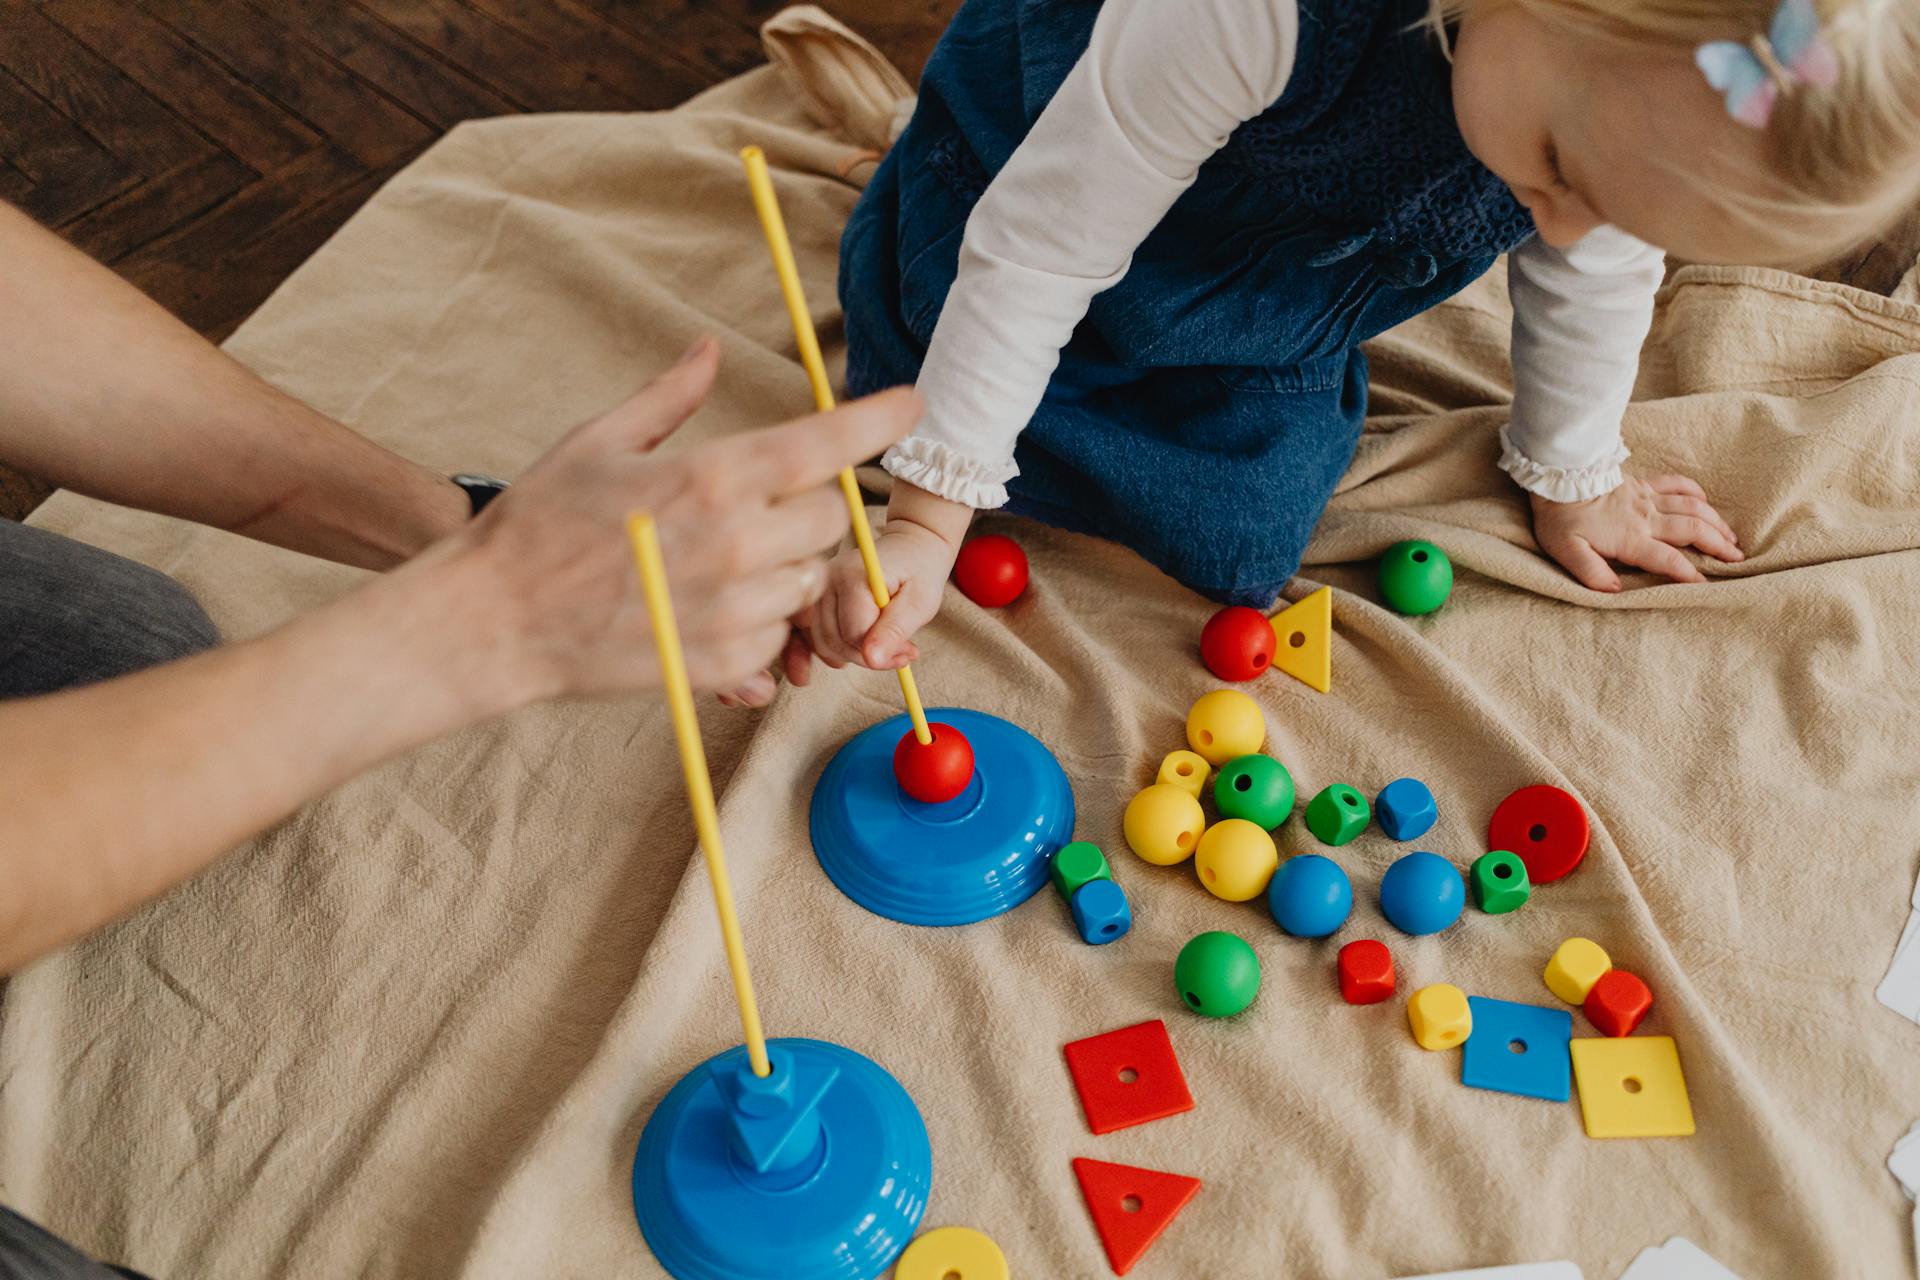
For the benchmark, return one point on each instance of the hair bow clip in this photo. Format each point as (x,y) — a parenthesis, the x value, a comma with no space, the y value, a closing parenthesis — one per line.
(1754,75)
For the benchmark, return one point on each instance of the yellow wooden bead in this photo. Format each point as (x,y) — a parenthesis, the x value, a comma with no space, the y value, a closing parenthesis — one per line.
(1163,824)
(1225,725)
(1236,859)
(1440,1016)
(1187,771)
(1575,967)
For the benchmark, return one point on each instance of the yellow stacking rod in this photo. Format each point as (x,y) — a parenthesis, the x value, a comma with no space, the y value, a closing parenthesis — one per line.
(776,228)
(693,763)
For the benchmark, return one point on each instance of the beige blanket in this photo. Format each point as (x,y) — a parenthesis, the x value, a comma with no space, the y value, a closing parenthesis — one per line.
(414,1031)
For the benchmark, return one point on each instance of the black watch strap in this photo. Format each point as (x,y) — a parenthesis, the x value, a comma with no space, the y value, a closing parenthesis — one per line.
(480,489)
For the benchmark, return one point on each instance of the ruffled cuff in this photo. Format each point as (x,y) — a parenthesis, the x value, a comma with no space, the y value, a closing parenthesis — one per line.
(1561,484)
(942,470)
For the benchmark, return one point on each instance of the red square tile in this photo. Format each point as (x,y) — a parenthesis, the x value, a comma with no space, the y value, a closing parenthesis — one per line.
(1128,1077)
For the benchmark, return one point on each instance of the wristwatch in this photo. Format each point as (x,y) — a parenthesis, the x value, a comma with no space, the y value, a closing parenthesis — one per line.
(480,489)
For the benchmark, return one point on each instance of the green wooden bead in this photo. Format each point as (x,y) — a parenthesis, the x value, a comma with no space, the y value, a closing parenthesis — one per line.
(1415,577)
(1217,974)
(1075,864)
(1257,788)
(1500,882)
(1337,814)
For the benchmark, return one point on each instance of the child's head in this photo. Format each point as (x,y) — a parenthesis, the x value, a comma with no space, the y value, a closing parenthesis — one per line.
(1595,111)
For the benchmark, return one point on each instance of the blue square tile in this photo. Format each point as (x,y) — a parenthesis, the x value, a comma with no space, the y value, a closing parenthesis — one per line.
(1539,1068)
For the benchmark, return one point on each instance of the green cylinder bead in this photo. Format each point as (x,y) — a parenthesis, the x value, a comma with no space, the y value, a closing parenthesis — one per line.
(1075,864)
(1500,882)
(1415,577)
(1257,788)
(1217,974)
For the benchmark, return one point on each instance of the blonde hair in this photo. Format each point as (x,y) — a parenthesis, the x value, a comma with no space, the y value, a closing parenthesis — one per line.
(1843,163)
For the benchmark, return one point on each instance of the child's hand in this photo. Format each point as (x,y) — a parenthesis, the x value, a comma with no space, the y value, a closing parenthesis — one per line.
(845,626)
(1642,523)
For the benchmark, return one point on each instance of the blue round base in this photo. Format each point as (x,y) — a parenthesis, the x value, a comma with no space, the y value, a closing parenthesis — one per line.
(971,858)
(843,1214)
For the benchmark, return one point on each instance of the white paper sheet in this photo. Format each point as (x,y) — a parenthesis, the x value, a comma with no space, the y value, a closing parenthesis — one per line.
(1900,989)
(1677,1259)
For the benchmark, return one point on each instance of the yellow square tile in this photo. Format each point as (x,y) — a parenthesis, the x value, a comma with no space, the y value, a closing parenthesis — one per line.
(1631,1087)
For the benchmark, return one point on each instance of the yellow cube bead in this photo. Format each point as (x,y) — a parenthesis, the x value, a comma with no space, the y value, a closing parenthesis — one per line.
(1440,1016)
(1187,771)
(1236,859)
(1575,967)
(1225,725)
(1163,824)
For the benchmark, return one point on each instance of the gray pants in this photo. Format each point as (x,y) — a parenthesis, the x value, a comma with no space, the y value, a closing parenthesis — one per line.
(71,614)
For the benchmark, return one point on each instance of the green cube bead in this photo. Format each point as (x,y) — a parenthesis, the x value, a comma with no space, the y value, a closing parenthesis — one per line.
(1338,814)
(1075,864)
(1257,788)
(1217,974)
(1415,577)
(1500,882)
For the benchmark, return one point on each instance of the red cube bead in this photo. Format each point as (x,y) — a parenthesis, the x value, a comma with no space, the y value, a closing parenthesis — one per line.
(1617,1002)
(991,570)
(1366,972)
(937,771)
(1237,643)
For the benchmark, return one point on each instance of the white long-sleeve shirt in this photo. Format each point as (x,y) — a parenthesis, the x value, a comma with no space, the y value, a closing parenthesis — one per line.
(1160,89)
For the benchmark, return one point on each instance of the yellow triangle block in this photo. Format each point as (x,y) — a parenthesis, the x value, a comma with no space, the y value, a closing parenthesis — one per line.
(1303,633)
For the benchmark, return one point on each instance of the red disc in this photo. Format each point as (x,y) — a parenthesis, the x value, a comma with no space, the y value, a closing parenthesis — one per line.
(1237,643)
(991,570)
(1545,826)
(937,771)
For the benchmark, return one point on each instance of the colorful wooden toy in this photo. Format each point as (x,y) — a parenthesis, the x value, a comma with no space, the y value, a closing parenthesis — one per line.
(991,570)
(1575,966)
(1405,809)
(1128,1077)
(1224,725)
(1499,882)
(1366,972)
(937,771)
(1632,1088)
(1303,640)
(1131,1206)
(1422,893)
(1163,824)
(1440,1016)
(1518,1048)
(1545,826)
(1217,974)
(1617,1002)
(1310,896)
(1075,864)
(1337,814)
(1187,770)
(1236,859)
(1237,643)
(1100,912)
(946,1252)
(1415,577)
(1257,788)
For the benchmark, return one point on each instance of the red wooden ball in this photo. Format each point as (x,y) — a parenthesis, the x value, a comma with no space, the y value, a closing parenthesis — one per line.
(1237,643)
(991,570)
(939,770)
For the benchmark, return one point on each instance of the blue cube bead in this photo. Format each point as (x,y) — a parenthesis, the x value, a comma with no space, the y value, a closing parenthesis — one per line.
(1100,912)
(1519,1048)
(1405,809)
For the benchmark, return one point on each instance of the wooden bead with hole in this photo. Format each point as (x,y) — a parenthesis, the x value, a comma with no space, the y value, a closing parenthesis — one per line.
(1225,724)
(1163,824)
(1236,859)
(1186,770)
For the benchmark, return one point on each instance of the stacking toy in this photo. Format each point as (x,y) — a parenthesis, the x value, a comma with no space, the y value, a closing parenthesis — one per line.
(1163,824)
(1310,896)
(1545,826)
(1575,966)
(937,771)
(1337,814)
(991,570)
(1237,643)
(1366,971)
(1257,788)
(1518,1048)
(1236,859)
(1617,1003)
(1186,770)
(1100,912)
(946,1252)
(1225,724)
(1415,577)
(1632,1088)
(1303,640)
(1075,864)
(1499,882)
(1217,974)
(1440,1016)
(1405,809)
(1422,893)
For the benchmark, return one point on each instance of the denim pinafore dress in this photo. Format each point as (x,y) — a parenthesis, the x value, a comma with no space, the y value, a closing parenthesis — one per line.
(1208,404)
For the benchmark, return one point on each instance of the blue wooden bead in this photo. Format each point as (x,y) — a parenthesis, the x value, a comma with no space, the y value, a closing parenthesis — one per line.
(1100,912)
(1405,809)
(1422,893)
(1310,897)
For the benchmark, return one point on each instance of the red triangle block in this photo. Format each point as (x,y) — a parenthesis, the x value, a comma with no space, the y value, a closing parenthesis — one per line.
(1157,1198)
(1128,1077)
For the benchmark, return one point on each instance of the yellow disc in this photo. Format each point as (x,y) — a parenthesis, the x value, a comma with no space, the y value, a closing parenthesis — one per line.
(1236,859)
(1225,725)
(1163,824)
(947,1252)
